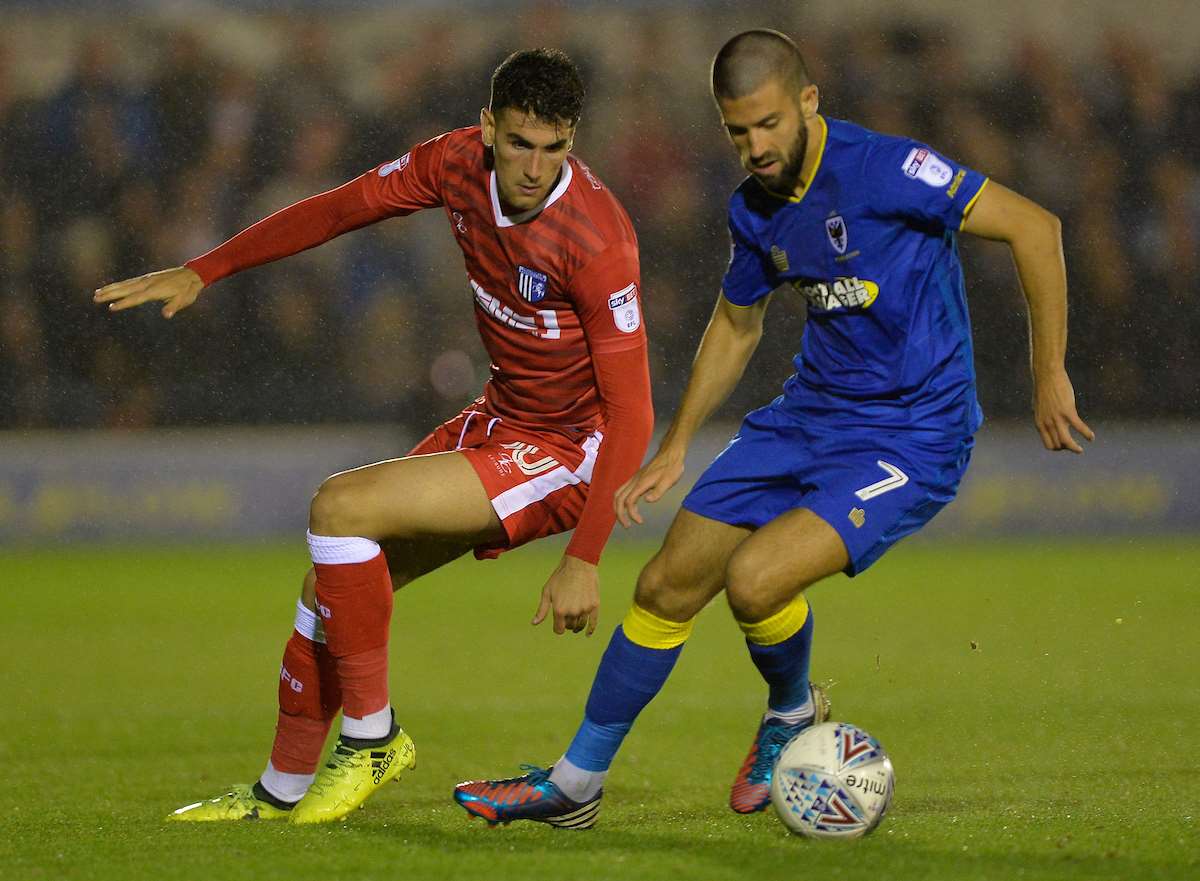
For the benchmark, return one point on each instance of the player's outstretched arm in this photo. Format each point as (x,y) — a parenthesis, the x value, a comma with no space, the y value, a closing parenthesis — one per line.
(732,336)
(298,227)
(1035,236)
(178,287)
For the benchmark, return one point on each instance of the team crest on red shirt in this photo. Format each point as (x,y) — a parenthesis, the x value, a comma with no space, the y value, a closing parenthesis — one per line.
(531,284)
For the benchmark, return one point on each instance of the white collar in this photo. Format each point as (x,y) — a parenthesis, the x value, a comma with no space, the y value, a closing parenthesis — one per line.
(564,181)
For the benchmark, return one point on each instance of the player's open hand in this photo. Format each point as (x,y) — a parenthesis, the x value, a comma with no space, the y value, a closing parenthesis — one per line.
(655,478)
(179,287)
(573,594)
(1054,412)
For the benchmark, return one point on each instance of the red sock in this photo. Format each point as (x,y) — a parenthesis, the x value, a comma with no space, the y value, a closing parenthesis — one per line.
(355,604)
(309,698)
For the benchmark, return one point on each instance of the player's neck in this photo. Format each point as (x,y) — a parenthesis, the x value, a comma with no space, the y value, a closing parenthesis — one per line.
(814,147)
(509,211)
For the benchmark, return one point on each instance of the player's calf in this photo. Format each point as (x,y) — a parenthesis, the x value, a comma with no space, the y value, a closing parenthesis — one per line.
(780,646)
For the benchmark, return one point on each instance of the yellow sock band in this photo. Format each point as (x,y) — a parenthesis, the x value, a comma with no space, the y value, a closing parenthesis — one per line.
(652,632)
(779,626)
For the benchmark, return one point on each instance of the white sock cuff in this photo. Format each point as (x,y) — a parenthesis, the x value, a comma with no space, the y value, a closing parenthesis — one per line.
(796,715)
(576,783)
(308,624)
(341,549)
(370,727)
(284,786)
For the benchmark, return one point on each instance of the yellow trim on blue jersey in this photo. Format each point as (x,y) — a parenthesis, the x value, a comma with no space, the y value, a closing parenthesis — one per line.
(650,631)
(780,626)
(820,155)
(971,204)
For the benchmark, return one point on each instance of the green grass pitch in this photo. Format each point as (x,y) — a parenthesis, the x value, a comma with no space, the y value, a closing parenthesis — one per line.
(1039,702)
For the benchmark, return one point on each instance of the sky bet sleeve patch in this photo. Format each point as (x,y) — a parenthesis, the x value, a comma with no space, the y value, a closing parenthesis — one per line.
(927,167)
(624,305)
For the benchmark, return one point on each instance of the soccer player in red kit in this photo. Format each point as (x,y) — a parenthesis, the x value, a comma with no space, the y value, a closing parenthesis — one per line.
(565,418)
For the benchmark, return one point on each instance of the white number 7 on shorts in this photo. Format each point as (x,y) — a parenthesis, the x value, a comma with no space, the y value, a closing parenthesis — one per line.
(895,479)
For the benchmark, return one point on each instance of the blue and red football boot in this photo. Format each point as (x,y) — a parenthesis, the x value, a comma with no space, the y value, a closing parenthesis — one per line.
(530,797)
(751,790)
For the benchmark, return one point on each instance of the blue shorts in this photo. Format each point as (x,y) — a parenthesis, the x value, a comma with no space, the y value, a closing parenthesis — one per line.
(872,488)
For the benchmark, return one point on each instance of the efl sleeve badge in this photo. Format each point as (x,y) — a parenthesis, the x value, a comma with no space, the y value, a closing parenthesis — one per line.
(625,310)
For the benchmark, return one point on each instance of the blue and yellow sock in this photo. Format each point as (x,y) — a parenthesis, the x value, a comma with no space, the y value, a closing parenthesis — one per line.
(638,660)
(781,647)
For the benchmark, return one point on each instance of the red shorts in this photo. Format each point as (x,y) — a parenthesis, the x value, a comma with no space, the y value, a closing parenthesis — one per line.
(537,480)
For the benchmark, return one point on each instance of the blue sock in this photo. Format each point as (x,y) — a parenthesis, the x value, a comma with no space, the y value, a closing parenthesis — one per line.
(784,665)
(629,677)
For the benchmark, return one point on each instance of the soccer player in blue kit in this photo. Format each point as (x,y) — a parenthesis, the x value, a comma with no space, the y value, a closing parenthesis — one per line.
(869,439)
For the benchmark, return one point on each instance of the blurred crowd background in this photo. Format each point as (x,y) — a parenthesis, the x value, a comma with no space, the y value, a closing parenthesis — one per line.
(142,141)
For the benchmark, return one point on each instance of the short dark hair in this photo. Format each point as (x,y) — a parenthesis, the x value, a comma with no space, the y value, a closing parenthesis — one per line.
(541,82)
(751,58)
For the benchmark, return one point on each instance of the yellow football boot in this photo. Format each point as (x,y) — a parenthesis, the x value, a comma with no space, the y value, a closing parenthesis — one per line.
(352,776)
(238,804)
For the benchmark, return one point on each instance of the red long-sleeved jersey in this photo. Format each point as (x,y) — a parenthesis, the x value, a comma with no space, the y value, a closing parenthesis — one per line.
(556,293)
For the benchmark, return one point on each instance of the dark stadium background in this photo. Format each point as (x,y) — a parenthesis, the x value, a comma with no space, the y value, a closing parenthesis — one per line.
(134,136)
(131,140)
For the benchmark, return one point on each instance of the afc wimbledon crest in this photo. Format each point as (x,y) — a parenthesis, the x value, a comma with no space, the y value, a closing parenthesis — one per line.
(835,228)
(532,285)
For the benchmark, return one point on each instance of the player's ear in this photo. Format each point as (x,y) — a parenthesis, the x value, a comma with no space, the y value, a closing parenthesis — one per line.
(810,100)
(487,125)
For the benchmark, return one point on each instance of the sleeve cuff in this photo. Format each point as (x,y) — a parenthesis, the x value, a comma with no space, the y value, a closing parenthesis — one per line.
(966,212)
(202,268)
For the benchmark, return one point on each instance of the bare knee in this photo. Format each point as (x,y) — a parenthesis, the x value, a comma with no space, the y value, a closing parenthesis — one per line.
(337,507)
(662,593)
(754,594)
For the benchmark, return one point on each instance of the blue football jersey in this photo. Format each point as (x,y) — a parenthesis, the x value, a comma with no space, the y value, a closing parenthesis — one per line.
(870,249)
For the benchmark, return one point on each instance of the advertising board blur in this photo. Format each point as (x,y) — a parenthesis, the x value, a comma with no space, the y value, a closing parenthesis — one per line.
(248,484)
